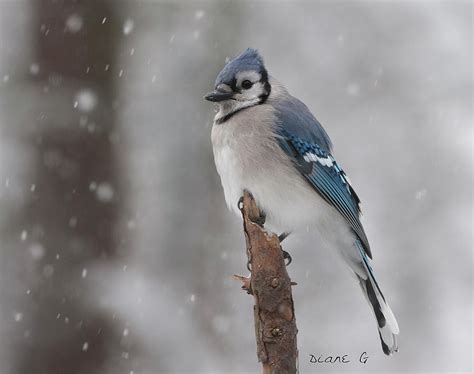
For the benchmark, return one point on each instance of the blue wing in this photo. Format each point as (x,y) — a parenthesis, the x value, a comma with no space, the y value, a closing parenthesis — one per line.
(309,147)
(297,119)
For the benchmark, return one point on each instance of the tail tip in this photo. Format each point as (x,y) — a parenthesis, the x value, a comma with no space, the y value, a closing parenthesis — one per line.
(393,348)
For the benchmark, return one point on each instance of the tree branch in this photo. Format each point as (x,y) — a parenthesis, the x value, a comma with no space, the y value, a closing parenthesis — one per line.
(269,283)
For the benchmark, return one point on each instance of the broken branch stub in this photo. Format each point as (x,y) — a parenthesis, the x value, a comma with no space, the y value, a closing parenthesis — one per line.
(269,283)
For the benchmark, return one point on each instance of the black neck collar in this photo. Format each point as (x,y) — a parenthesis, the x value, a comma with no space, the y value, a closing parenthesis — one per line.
(263,97)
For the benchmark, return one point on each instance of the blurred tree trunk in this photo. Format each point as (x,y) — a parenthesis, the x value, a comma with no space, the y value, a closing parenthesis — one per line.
(73,209)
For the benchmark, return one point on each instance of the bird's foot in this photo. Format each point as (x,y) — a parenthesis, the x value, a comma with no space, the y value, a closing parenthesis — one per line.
(260,215)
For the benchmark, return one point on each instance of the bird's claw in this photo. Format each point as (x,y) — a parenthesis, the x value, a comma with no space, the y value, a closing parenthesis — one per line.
(287,257)
(249,265)
(261,219)
(240,203)
(283,236)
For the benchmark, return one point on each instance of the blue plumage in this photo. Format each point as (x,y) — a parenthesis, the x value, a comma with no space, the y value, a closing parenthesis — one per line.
(324,174)
(249,60)
(296,119)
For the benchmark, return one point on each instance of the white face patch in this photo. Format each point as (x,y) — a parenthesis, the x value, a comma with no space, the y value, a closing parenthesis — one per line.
(242,98)
(253,92)
(249,75)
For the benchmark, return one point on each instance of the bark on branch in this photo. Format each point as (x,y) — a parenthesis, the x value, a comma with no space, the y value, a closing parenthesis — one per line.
(269,283)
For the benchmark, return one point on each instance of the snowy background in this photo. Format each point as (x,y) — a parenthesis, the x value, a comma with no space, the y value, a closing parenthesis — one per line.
(116,248)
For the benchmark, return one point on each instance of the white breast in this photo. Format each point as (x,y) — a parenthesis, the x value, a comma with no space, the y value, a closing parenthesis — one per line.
(247,157)
(229,170)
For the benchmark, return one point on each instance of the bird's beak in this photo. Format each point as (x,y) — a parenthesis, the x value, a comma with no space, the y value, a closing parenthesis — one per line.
(218,95)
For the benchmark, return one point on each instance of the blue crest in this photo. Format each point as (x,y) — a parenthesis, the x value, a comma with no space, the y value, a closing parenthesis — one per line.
(248,60)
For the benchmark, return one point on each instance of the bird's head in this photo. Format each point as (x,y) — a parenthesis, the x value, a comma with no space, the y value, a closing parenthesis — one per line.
(242,83)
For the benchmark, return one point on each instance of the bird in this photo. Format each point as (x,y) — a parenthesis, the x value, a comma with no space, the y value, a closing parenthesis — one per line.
(267,142)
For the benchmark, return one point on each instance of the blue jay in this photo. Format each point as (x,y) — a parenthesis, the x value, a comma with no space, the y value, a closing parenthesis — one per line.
(268,142)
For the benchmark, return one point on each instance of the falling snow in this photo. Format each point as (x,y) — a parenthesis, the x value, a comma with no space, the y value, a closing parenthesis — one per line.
(74,23)
(105,192)
(128,26)
(199,14)
(36,250)
(85,100)
(18,316)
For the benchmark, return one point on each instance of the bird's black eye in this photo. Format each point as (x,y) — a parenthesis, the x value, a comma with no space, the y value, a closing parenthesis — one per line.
(246,84)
